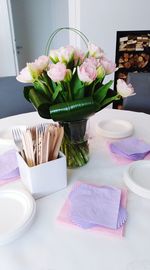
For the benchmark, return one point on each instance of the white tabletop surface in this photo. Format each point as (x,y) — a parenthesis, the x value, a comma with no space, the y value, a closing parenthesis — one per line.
(48,245)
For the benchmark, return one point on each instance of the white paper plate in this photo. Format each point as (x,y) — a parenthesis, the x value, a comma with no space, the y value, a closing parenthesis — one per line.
(17,210)
(115,128)
(137,178)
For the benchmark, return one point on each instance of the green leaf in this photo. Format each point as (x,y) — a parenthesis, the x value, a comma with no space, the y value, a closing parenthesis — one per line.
(56,92)
(109,100)
(40,102)
(26,91)
(73,110)
(53,61)
(41,86)
(101,93)
(110,97)
(77,87)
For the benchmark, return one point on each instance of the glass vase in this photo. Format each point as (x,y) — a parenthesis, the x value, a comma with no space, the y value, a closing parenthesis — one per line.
(75,143)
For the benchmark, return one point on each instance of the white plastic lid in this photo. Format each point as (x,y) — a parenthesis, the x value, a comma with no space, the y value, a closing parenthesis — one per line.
(115,128)
(17,210)
(137,178)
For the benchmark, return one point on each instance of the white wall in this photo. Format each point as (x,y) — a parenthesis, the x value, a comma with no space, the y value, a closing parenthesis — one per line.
(59,14)
(7,60)
(100,19)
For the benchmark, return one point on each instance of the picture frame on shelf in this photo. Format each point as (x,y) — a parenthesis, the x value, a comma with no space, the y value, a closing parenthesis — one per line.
(132,55)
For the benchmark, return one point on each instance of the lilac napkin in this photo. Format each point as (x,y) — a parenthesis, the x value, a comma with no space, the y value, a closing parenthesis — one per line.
(93,206)
(131,148)
(8,165)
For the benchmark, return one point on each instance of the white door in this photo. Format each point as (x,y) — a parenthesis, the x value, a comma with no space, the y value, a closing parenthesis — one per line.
(8,59)
(27,26)
(21,30)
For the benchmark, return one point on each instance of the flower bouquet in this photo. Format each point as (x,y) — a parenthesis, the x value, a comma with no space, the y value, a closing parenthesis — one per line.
(68,86)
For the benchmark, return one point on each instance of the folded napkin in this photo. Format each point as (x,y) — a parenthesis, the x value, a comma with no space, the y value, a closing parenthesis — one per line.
(106,213)
(130,148)
(92,206)
(9,170)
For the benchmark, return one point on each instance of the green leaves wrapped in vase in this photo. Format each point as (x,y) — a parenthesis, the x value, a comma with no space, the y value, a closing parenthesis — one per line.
(68,86)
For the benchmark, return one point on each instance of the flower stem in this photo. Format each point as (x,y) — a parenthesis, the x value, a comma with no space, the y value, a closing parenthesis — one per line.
(76,153)
(69,91)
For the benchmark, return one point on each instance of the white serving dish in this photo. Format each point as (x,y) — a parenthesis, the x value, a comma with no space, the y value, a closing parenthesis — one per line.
(45,178)
(137,178)
(17,210)
(115,128)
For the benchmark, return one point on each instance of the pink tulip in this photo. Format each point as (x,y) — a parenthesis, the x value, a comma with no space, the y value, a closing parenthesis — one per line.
(92,61)
(42,63)
(124,89)
(25,76)
(78,57)
(65,54)
(57,72)
(95,51)
(32,71)
(87,72)
(108,65)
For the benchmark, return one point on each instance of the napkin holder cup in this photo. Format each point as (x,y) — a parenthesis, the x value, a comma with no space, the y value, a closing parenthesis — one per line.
(44,179)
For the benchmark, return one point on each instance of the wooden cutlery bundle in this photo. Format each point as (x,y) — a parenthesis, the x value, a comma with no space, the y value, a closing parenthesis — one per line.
(39,144)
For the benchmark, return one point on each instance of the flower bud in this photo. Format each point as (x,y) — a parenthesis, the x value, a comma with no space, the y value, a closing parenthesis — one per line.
(100,73)
(68,75)
(54,56)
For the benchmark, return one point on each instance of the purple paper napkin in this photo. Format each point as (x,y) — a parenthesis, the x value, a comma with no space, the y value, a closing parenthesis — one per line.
(8,165)
(93,206)
(131,148)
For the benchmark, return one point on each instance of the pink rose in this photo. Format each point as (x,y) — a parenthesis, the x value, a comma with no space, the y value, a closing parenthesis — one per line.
(95,51)
(87,72)
(108,65)
(57,72)
(124,89)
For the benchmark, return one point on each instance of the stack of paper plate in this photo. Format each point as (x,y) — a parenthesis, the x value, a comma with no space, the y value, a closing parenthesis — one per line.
(115,128)
(17,210)
(137,178)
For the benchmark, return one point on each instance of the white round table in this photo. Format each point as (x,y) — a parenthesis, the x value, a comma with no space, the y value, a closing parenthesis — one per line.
(48,245)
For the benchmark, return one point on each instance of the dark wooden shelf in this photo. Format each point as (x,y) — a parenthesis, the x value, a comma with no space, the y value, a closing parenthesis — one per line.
(145,51)
(121,69)
(133,52)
